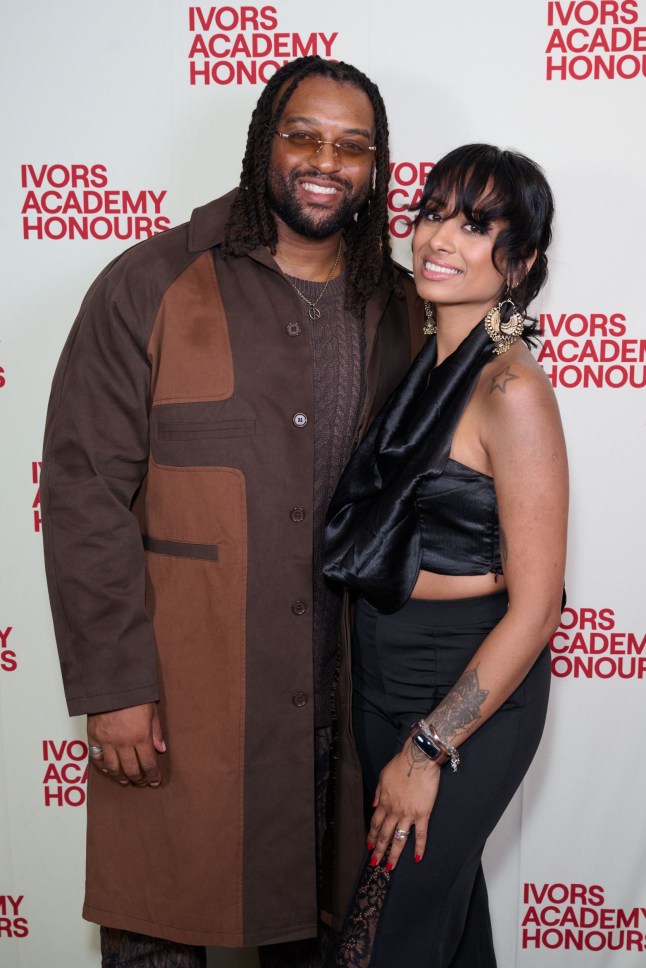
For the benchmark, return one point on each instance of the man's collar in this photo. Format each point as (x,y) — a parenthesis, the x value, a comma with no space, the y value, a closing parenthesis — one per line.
(206,227)
(207,224)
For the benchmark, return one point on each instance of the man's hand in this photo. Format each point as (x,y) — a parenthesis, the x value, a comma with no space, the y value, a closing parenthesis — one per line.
(129,740)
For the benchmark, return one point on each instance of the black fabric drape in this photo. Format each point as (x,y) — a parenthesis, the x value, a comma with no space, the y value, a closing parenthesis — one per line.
(372,535)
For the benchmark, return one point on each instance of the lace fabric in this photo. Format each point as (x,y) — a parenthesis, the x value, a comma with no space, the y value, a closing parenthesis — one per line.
(360,928)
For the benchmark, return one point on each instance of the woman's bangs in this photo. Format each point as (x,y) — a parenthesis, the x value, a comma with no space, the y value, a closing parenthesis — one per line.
(468,189)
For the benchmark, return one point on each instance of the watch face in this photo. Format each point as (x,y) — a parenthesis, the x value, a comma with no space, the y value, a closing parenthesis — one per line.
(426,745)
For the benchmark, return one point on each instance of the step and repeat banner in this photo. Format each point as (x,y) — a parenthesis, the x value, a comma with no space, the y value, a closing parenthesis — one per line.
(118,120)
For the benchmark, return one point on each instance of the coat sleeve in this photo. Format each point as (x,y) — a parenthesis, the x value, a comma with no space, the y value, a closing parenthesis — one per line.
(94,462)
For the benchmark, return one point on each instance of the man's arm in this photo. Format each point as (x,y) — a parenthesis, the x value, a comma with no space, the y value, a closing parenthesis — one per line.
(94,462)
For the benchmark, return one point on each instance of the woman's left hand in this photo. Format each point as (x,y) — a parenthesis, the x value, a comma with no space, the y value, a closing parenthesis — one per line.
(404,798)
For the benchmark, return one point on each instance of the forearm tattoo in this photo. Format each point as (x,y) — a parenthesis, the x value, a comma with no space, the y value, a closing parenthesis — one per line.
(500,380)
(461,709)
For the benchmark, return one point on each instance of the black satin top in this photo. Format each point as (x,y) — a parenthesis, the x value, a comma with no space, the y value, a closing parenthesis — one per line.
(458,520)
(383,524)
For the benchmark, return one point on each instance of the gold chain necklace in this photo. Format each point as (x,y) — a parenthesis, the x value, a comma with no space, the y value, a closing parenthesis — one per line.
(314,312)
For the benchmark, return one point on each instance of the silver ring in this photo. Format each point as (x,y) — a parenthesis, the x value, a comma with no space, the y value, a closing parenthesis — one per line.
(95,750)
(400,834)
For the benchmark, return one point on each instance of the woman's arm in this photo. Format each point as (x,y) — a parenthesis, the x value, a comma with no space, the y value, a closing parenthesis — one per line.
(521,434)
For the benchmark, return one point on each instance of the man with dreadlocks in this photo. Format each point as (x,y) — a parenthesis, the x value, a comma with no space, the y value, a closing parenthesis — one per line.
(211,390)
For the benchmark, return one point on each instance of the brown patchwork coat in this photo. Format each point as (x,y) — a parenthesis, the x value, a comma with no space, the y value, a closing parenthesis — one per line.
(178,572)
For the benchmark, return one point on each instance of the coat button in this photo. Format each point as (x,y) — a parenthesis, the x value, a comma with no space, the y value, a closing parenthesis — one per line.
(300,699)
(299,608)
(297,515)
(293,329)
(299,420)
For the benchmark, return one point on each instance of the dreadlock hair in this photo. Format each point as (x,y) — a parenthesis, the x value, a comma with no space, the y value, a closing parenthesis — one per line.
(251,222)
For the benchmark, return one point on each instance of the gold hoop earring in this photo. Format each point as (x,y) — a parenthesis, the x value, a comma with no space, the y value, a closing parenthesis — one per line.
(504,334)
(430,326)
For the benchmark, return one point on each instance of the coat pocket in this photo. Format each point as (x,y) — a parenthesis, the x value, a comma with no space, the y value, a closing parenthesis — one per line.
(204,430)
(180,549)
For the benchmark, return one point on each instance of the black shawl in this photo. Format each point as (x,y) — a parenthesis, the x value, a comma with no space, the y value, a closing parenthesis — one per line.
(372,535)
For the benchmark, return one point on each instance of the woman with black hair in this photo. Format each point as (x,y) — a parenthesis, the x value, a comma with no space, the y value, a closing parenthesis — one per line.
(450,524)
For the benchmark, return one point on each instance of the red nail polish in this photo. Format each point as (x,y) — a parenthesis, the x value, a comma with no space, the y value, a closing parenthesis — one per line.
(417,858)
(373,861)
(370,846)
(389,866)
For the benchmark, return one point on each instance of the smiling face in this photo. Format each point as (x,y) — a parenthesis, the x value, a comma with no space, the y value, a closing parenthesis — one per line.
(316,193)
(453,265)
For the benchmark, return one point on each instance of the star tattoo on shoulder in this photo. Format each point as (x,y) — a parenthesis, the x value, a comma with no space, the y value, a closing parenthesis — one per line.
(500,380)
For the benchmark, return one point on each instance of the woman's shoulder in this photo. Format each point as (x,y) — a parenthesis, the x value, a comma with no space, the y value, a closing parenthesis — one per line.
(513,379)
(517,412)
(515,400)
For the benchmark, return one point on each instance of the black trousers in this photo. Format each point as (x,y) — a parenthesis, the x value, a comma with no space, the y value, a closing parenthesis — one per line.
(435,914)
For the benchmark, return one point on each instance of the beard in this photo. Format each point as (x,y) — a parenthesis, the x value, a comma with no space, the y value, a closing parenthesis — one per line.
(283,201)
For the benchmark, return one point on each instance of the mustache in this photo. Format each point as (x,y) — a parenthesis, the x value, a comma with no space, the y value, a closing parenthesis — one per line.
(313,173)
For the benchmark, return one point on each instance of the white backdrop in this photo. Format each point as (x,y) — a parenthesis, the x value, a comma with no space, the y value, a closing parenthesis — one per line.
(139,109)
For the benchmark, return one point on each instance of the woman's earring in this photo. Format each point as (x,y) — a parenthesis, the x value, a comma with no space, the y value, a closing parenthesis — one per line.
(504,334)
(430,326)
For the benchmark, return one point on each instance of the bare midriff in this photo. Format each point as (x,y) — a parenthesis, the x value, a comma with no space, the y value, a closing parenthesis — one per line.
(432,586)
